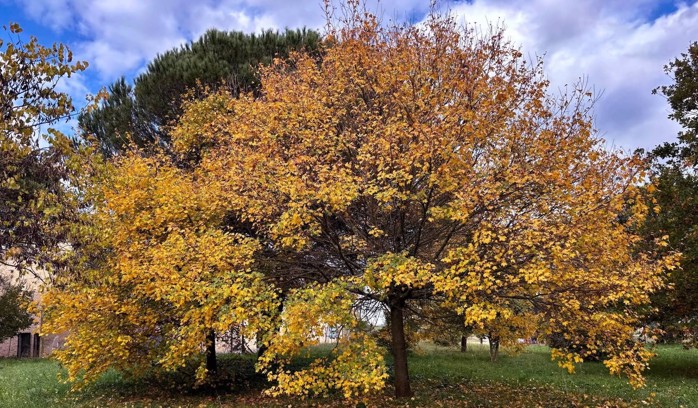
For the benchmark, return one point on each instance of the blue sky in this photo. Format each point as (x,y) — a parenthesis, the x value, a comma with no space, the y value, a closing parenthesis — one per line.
(617,46)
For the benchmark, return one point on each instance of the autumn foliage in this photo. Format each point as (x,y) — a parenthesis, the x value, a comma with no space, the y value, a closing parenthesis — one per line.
(153,275)
(409,164)
(35,208)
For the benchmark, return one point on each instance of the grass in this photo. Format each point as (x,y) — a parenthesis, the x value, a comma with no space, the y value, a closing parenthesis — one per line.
(672,380)
(441,378)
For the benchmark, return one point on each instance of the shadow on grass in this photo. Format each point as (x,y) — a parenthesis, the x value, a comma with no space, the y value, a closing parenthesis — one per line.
(236,375)
(673,362)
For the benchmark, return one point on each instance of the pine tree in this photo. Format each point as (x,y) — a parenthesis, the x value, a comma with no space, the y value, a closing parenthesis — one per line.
(140,113)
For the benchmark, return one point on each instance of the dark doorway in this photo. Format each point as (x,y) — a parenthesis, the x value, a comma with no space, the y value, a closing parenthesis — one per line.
(24,345)
(36,350)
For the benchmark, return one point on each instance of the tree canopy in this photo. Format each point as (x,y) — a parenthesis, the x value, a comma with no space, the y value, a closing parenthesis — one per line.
(152,274)
(410,164)
(682,96)
(676,196)
(35,207)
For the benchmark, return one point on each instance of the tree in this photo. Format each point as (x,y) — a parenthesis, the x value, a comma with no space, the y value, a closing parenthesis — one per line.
(13,309)
(141,112)
(118,121)
(682,96)
(410,165)
(35,206)
(676,198)
(421,163)
(675,195)
(151,275)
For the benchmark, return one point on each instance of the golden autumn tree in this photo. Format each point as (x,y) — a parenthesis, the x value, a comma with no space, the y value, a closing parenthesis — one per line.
(408,165)
(150,276)
(419,163)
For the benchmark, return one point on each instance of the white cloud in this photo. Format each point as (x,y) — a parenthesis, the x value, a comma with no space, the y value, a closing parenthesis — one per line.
(55,14)
(73,85)
(610,43)
(121,36)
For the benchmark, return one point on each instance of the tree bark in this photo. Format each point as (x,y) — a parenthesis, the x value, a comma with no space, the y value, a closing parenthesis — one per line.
(463,343)
(494,347)
(261,348)
(399,349)
(211,363)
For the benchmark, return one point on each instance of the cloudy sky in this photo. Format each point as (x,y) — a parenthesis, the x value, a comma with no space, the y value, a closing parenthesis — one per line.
(618,46)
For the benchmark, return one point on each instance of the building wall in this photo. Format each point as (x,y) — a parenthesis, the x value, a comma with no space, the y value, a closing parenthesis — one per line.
(45,344)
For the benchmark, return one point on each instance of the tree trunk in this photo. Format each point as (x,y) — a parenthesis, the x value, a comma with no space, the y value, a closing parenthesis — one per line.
(494,348)
(399,349)
(463,343)
(261,348)
(211,363)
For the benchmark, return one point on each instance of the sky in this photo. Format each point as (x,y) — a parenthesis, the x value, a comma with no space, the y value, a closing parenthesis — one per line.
(618,47)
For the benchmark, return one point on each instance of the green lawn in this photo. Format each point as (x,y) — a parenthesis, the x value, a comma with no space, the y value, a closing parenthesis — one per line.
(441,378)
(673,375)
